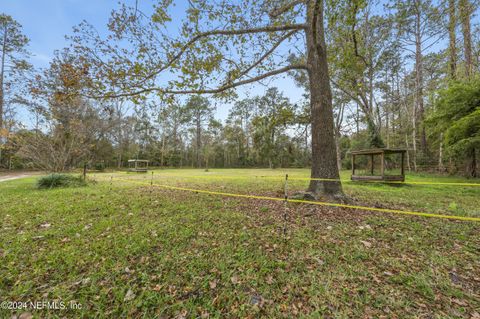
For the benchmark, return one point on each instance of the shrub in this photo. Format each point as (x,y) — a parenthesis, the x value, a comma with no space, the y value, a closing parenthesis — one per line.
(60,180)
(99,167)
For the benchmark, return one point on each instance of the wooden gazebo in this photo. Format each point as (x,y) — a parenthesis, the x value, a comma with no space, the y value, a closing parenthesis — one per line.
(137,165)
(384,175)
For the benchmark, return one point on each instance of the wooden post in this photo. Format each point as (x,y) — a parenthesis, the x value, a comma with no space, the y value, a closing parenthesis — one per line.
(85,171)
(382,165)
(353,164)
(371,169)
(402,168)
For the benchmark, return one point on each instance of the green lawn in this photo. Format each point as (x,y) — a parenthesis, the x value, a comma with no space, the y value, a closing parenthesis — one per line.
(121,249)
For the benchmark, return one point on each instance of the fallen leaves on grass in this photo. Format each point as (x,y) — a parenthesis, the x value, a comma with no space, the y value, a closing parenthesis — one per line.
(213,284)
(366,243)
(130,295)
(475,315)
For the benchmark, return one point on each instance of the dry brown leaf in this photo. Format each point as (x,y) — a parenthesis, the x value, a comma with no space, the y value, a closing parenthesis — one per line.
(366,243)
(475,315)
(130,295)
(213,284)
(459,302)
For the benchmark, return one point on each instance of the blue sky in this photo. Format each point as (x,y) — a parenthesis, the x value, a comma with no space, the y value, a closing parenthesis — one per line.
(46,22)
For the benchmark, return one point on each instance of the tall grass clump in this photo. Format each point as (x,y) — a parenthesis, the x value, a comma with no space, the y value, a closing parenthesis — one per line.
(60,180)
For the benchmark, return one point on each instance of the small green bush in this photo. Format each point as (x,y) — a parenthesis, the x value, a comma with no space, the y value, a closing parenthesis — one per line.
(60,180)
(99,167)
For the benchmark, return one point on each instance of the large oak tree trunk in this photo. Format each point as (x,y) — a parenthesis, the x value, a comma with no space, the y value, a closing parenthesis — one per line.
(324,157)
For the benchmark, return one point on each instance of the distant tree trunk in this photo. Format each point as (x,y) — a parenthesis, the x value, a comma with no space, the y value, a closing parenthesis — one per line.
(452,23)
(199,142)
(271,151)
(306,146)
(324,164)
(465,15)
(357,119)
(247,139)
(419,81)
(119,164)
(472,166)
(338,134)
(206,160)
(408,153)
(387,127)
(414,138)
(441,168)
(374,137)
(339,153)
(162,156)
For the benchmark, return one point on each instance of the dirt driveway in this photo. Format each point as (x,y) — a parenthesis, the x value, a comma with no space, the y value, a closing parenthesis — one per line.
(6,176)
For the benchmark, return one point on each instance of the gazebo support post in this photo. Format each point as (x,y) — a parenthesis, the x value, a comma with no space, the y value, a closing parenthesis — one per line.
(402,168)
(353,164)
(371,168)
(382,165)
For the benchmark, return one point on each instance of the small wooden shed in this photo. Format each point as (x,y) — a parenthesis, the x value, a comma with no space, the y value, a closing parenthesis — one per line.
(137,165)
(379,153)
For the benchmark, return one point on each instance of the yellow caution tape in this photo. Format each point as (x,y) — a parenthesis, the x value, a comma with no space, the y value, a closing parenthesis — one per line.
(387,182)
(383,210)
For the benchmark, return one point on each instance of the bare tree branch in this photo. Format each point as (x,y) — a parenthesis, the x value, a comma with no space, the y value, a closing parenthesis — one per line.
(279,11)
(269,52)
(184,48)
(220,89)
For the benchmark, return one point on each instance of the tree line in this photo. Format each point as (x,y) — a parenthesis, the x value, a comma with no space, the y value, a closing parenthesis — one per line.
(395,74)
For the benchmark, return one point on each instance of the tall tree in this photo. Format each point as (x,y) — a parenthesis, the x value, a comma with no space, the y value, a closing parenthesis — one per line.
(241,113)
(452,37)
(199,113)
(73,125)
(274,112)
(465,11)
(13,53)
(417,25)
(361,42)
(214,55)
(457,114)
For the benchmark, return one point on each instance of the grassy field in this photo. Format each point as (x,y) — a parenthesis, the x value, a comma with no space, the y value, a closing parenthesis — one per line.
(129,250)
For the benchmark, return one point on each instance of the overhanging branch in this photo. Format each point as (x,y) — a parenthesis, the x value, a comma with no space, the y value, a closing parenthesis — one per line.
(265,29)
(281,10)
(220,89)
(269,52)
